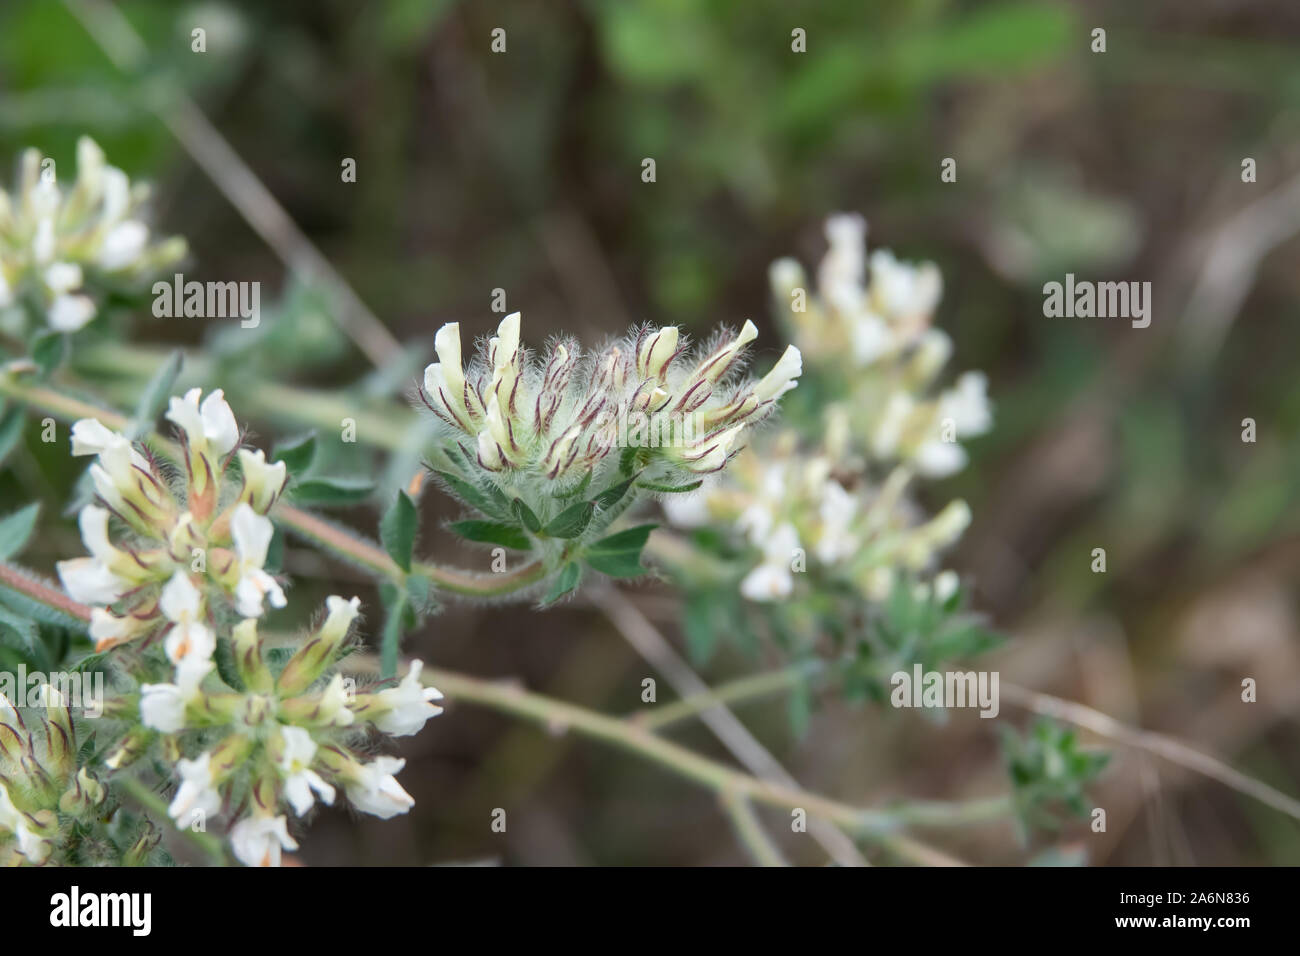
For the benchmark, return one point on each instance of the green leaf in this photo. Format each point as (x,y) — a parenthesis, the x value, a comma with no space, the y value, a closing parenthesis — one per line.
(565,582)
(334,491)
(613,495)
(418,593)
(16,529)
(396,606)
(492,532)
(11,433)
(22,628)
(572,521)
(297,453)
(224,657)
(397,530)
(471,495)
(619,555)
(627,460)
(48,351)
(670,489)
(155,395)
(525,515)
(579,489)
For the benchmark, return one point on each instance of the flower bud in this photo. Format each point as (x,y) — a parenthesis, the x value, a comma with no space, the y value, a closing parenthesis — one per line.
(262,482)
(654,351)
(83,796)
(307,665)
(248,657)
(133,745)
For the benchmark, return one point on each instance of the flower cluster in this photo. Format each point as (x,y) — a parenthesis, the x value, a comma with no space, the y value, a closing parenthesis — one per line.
(43,791)
(871,342)
(187,551)
(186,571)
(52,240)
(796,511)
(566,415)
(868,327)
(280,738)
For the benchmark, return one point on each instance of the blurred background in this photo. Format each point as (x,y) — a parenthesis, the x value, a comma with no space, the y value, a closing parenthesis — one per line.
(521,171)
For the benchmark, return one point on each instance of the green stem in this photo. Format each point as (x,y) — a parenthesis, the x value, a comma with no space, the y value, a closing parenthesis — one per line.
(879,826)
(943,813)
(749,830)
(732,692)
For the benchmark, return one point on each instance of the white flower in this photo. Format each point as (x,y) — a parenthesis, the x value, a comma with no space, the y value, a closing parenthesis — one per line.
(123,245)
(109,630)
(655,351)
(257,841)
(209,428)
(870,337)
(444,380)
(889,429)
(782,377)
(903,290)
(767,582)
(711,454)
(968,405)
(837,510)
(89,581)
(196,798)
(68,313)
(299,779)
(332,708)
(772,579)
(93,523)
(251,533)
(406,708)
(717,362)
(340,614)
(840,274)
(687,511)
(936,458)
(182,604)
(162,706)
(121,470)
(262,482)
(63,277)
(375,790)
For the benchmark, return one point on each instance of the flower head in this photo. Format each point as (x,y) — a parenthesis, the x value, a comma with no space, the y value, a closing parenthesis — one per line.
(59,247)
(168,559)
